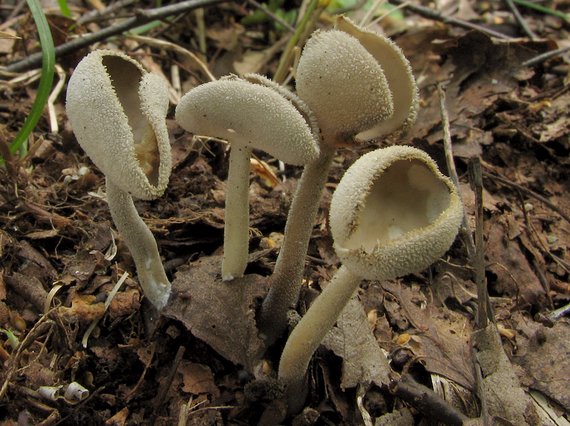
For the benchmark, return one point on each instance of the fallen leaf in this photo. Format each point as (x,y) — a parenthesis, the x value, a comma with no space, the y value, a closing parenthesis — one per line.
(353,341)
(197,379)
(220,313)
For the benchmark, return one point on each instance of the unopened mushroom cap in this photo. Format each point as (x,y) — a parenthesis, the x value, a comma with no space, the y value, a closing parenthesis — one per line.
(393,213)
(117,111)
(343,84)
(398,73)
(249,114)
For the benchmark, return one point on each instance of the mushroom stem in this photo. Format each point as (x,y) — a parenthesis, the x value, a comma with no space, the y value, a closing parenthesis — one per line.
(287,276)
(236,228)
(308,334)
(141,244)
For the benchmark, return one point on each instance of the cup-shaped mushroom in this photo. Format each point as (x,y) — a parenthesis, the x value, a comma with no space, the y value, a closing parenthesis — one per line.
(393,213)
(354,81)
(249,116)
(359,85)
(398,73)
(117,111)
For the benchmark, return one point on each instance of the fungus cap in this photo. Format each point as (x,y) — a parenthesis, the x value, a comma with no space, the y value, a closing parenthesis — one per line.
(398,73)
(117,111)
(249,114)
(393,213)
(343,84)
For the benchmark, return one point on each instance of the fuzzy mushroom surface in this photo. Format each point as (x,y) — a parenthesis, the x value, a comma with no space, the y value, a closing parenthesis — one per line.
(393,213)
(359,85)
(117,111)
(249,115)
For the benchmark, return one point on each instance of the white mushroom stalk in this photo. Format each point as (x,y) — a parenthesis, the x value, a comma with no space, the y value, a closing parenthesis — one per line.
(117,111)
(250,115)
(353,81)
(393,213)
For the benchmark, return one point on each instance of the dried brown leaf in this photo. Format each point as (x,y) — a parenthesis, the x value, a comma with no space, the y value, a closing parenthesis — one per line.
(353,341)
(222,314)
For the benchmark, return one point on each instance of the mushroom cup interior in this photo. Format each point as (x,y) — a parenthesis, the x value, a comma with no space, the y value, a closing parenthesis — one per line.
(407,196)
(125,78)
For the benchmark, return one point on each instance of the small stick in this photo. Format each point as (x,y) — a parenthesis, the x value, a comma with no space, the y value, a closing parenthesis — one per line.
(427,401)
(545,56)
(520,20)
(487,421)
(465,233)
(163,391)
(39,328)
(529,192)
(142,17)
(429,13)
(484,311)
(94,15)
(276,18)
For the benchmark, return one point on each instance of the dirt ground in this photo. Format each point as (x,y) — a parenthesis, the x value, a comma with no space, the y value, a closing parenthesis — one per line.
(61,255)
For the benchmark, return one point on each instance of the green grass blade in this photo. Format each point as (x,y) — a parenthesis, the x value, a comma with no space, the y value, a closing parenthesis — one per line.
(543,9)
(46,79)
(64,8)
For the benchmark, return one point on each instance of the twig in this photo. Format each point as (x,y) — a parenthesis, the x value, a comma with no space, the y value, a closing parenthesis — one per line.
(427,401)
(559,313)
(529,192)
(487,421)
(545,56)
(163,44)
(41,326)
(298,38)
(94,15)
(163,391)
(276,18)
(543,9)
(465,232)
(520,20)
(141,17)
(429,13)
(484,310)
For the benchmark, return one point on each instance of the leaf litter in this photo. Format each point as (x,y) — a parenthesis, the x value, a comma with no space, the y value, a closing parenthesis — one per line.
(56,231)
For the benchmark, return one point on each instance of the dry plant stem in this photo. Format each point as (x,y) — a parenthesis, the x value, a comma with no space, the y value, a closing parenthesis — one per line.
(265,9)
(519,18)
(163,44)
(429,13)
(95,15)
(141,244)
(141,17)
(308,334)
(484,311)
(236,228)
(464,230)
(487,421)
(297,38)
(545,56)
(427,401)
(287,276)
(163,391)
(529,192)
(39,328)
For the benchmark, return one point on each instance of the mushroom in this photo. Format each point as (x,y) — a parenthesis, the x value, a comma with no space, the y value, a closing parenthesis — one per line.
(117,111)
(393,213)
(353,81)
(249,114)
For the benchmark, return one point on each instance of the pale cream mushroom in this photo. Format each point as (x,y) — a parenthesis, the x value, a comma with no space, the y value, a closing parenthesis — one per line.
(393,213)
(117,111)
(353,81)
(249,114)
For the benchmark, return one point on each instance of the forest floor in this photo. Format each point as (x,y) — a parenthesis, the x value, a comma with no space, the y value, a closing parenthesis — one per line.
(61,256)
